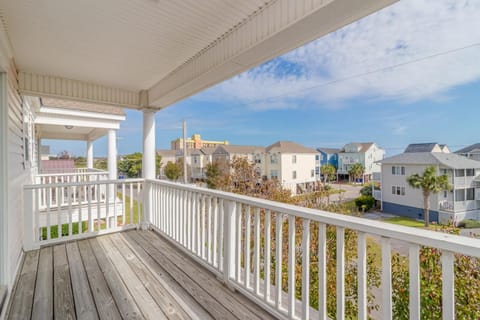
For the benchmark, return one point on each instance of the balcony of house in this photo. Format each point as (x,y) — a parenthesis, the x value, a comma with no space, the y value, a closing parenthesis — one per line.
(191,252)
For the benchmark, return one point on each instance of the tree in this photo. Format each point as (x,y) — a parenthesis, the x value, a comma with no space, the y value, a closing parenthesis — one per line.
(131,165)
(213,174)
(429,183)
(173,170)
(328,170)
(356,171)
(80,162)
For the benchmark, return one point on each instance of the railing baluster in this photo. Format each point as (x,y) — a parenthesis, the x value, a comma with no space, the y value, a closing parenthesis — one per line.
(448,285)
(414,278)
(278,259)
(246,254)
(124,209)
(256,251)
(291,266)
(59,217)
(107,207)
(238,242)
(203,230)
(266,264)
(131,203)
(362,276)
(198,215)
(49,201)
(36,235)
(89,198)
(306,269)
(386,278)
(322,271)
(215,232)
(184,218)
(79,222)
(99,226)
(139,208)
(221,235)
(340,273)
(209,229)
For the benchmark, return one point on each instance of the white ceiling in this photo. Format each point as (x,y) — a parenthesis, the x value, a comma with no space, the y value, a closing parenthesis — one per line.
(122,43)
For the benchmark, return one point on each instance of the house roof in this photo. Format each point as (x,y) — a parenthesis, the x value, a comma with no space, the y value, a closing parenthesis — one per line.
(363,146)
(329,150)
(474,148)
(450,160)
(290,147)
(422,147)
(167,153)
(81,106)
(229,148)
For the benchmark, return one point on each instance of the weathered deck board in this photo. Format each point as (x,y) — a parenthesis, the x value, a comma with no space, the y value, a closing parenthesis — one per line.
(106,307)
(124,300)
(63,304)
(22,304)
(160,294)
(128,275)
(43,300)
(84,305)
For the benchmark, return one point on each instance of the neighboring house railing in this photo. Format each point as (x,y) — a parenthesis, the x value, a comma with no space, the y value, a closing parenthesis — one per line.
(232,236)
(56,212)
(241,238)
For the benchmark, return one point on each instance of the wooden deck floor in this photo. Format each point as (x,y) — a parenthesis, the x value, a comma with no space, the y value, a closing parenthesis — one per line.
(128,275)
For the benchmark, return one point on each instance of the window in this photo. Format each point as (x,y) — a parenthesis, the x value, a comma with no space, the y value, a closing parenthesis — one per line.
(470,172)
(460,195)
(274,174)
(294,175)
(273,159)
(312,173)
(196,159)
(444,171)
(398,171)
(294,159)
(317,157)
(445,194)
(470,193)
(258,158)
(397,190)
(459,172)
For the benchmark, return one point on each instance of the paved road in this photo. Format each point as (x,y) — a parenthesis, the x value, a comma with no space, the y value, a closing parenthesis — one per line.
(351,192)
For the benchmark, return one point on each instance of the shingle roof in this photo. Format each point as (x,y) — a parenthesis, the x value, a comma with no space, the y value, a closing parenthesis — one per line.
(474,148)
(167,153)
(81,106)
(450,160)
(363,146)
(422,147)
(240,149)
(290,147)
(329,150)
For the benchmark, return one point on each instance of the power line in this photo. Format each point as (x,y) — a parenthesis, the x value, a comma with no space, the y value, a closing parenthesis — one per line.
(359,75)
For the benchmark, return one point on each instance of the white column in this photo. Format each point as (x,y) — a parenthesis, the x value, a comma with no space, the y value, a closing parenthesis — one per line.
(148,159)
(90,154)
(112,154)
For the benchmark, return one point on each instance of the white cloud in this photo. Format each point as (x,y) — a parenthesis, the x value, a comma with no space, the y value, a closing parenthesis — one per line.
(320,72)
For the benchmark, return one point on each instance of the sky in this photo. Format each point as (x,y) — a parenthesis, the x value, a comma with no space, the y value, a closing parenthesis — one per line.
(409,73)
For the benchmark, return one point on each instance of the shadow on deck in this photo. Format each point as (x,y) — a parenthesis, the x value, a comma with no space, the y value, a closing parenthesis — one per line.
(127,275)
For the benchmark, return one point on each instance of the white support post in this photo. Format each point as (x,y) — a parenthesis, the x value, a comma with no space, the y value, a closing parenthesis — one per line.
(90,154)
(148,163)
(29,232)
(112,154)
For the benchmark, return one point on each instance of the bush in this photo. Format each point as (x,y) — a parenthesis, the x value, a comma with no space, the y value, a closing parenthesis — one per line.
(365,203)
(367,189)
(468,224)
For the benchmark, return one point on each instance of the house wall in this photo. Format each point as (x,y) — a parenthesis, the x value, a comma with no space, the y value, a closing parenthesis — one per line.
(305,163)
(20,161)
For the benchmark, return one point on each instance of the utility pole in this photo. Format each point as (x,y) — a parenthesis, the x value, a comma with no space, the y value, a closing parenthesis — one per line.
(185,152)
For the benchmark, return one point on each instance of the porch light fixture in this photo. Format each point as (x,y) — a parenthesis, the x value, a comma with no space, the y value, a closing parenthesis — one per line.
(68,127)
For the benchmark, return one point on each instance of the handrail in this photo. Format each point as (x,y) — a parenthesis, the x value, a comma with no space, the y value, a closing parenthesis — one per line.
(79,184)
(71,174)
(444,241)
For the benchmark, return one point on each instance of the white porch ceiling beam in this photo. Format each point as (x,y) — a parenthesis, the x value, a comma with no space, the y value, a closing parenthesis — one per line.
(61,120)
(58,87)
(63,136)
(276,29)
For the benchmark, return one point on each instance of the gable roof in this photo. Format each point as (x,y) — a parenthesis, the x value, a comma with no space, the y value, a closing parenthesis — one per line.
(450,160)
(474,148)
(328,150)
(363,146)
(290,147)
(167,152)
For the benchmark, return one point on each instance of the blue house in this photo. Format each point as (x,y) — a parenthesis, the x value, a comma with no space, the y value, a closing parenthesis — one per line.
(324,156)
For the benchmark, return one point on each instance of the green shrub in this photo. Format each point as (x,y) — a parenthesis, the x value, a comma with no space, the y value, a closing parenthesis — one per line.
(469,224)
(365,203)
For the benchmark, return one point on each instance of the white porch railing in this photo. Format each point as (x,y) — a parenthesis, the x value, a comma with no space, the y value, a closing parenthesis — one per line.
(232,236)
(56,212)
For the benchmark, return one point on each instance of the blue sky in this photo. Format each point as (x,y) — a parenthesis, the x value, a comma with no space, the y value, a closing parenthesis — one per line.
(408,73)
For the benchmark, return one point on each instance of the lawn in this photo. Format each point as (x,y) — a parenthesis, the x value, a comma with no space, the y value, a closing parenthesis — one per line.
(404,221)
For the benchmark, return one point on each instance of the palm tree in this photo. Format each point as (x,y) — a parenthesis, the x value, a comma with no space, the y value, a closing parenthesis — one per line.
(328,171)
(430,183)
(356,171)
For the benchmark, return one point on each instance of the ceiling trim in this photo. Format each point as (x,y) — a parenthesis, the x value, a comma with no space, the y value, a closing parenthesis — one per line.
(57,87)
